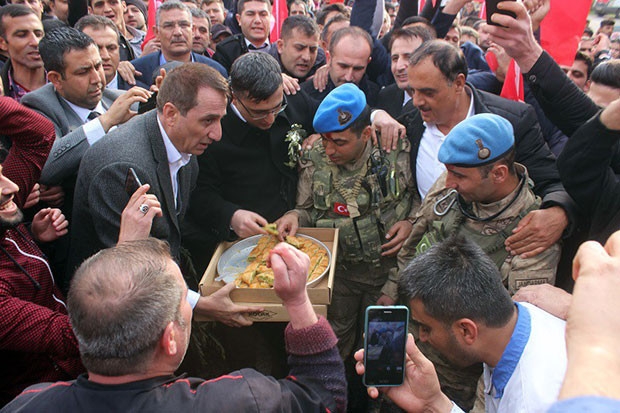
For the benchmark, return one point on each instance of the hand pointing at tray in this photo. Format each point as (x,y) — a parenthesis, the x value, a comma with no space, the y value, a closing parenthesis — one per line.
(290,268)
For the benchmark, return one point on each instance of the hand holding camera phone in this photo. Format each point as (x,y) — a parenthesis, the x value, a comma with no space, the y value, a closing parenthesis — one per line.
(491,7)
(384,345)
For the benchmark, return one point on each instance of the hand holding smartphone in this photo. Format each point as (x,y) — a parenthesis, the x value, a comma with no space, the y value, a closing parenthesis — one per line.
(491,7)
(384,345)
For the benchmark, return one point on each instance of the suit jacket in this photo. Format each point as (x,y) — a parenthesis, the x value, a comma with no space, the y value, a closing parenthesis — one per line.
(531,149)
(228,50)
(100,195)
(70,144)
(148,63)
(245,170)
(391,99)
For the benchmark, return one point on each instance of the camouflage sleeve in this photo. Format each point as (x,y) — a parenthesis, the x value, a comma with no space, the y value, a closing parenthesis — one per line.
(305,203)
(518,272)
(406,178)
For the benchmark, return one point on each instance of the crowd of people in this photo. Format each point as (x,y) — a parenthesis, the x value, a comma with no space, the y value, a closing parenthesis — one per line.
(130,152)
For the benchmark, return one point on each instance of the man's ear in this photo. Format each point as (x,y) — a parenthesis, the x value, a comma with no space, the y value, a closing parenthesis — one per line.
(90,10)
(4,46)
(170,115)
(466,330)
(586,87)
(280,45)
(366,133)
(328,57)
(499,173)
(54,78)
(459,82)
(238,17)
(168,340)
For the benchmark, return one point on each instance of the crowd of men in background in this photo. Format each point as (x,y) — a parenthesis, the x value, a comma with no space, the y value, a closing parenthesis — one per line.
(367,117)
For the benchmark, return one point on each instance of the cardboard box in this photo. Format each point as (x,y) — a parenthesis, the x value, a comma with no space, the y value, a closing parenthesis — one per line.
(320,294)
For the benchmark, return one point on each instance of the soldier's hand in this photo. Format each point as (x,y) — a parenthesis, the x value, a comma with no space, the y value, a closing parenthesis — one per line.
(397,235)
(287,224)
(290,84)
(309,141)
(247,223)
(537,231)
(391,131)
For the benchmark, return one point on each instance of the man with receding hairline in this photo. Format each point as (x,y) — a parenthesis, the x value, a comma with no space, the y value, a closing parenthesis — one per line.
(130,313)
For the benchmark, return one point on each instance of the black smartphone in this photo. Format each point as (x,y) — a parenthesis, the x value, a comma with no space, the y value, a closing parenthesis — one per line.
(491,7)
(132,183)
(384,345)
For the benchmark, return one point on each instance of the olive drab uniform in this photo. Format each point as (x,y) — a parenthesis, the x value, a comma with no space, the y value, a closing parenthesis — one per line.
(364,200)
(441,216)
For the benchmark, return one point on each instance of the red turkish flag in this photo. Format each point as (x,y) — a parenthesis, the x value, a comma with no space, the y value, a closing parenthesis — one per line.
(153,6)
(562,28)
(279,11)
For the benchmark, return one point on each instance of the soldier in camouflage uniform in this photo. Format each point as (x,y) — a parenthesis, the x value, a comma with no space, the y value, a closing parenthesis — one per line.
(347,183)
(482,195)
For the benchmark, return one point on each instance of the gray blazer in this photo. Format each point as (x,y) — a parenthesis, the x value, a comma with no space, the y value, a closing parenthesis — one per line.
(70,143)
(100,195)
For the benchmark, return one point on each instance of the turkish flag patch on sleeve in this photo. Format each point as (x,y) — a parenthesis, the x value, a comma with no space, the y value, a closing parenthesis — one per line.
(341,209)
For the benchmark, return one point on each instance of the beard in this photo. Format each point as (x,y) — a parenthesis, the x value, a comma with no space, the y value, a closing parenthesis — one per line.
(9,221)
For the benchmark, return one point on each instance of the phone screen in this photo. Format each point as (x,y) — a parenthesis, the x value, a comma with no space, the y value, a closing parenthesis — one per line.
(384,345)
(132,183)
(491,7)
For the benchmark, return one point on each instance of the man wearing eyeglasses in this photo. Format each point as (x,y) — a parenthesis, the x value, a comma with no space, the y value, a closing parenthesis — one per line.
(244,182)
(174,30)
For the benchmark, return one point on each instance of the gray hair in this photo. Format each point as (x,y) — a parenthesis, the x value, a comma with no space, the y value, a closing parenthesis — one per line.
(448,59)
(171,5)
(455,279)
(120,301)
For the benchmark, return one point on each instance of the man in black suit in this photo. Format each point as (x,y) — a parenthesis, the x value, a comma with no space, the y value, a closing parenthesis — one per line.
(253,17)
(347,58)
(403,43)
(244,181)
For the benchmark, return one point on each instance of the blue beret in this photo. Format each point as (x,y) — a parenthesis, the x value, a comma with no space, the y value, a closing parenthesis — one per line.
(476,141)
(339,109)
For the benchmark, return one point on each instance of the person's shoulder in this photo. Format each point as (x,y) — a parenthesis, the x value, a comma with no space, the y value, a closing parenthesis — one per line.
(502,106)
(146,59)
(44,93)
(37,398)
(214,64)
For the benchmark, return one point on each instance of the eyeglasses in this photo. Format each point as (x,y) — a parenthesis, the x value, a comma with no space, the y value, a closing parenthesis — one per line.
(262,114)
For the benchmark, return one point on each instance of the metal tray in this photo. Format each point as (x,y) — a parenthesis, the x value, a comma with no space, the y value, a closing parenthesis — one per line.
(234,259)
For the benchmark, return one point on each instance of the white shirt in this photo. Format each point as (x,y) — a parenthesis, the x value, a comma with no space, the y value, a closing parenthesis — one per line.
(92,128)
(529,375)
(113,83)
(262,48)
(428,168)
(177,160)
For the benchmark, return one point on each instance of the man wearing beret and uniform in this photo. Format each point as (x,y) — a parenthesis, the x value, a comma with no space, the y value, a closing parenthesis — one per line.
(347,183)
(483,195)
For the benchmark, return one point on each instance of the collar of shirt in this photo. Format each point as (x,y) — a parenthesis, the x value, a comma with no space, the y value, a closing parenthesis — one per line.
(234,109)
(263,48)
(113,83)
(163,61)
(512,354)
(83,112)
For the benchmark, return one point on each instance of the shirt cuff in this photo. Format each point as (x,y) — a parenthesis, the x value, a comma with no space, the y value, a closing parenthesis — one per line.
(93,131)
(192,298)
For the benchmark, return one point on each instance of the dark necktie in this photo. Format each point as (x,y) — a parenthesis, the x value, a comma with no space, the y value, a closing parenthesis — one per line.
(93,115)
(252,47)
